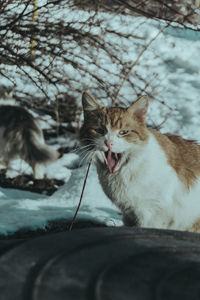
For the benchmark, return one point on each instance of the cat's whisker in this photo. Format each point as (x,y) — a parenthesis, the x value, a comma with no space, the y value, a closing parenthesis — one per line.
(78,148)
(87,140)
(88,156)
(84,157)
(91,156)
(87,146)
(83,151)
(74,150)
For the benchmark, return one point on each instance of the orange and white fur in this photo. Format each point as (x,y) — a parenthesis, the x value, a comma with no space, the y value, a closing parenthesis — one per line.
(153,178)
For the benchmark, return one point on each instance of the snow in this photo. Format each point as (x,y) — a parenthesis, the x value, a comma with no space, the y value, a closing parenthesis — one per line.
(56,170)
(20,209)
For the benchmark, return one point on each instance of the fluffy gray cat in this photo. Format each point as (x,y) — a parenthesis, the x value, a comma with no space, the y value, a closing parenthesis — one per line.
(20,135)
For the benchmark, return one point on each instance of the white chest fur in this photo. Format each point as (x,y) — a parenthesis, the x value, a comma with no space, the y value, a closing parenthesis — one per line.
(150,188)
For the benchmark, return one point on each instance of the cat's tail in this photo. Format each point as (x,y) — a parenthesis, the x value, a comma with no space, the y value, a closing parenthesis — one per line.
(36,151)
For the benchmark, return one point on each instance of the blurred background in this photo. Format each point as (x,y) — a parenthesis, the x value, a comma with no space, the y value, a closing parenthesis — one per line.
(50,51)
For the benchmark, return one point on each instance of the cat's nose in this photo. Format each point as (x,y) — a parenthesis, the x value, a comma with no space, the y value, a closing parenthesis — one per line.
(108,143)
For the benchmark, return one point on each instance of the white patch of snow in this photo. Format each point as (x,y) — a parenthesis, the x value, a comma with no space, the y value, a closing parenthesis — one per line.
(58,169)
(21,209)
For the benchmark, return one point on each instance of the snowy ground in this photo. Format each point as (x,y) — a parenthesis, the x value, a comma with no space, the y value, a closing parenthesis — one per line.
(178,67)
(20,209)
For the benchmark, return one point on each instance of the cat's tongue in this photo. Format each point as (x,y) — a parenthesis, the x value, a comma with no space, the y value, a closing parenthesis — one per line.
(111,160)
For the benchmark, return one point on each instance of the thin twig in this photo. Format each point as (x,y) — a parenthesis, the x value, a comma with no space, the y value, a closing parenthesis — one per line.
(136,62)
(9,26)
(83,189)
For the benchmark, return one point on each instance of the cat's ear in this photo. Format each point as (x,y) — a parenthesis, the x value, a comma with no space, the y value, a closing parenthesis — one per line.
(89,103)
(139,108)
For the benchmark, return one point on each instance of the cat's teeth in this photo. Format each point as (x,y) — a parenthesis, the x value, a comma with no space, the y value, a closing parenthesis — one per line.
(112,160)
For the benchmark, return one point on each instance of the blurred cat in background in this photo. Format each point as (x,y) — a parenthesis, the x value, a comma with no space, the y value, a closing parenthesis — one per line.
(21,136)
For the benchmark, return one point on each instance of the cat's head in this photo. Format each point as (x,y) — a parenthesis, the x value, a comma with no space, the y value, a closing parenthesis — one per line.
(113,132)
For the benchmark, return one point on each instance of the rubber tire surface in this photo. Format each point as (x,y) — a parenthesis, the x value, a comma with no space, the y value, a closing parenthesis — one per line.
(102,264)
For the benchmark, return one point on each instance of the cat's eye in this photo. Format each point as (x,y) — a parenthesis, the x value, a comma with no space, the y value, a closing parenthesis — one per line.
(99,130)
(123,132)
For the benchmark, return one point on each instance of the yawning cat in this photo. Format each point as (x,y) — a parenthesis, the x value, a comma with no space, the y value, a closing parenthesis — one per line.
(153,178)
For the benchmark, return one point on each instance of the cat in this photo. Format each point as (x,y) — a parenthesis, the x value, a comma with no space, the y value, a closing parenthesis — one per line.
(20,135)
(153,178)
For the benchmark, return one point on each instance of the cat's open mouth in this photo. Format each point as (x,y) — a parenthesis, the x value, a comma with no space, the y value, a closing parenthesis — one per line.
(112,160)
